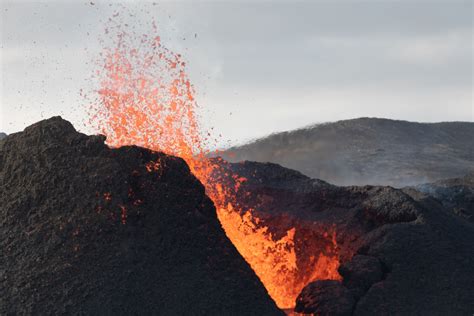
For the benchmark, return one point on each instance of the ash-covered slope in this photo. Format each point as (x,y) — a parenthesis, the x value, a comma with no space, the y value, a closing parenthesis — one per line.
(400,254)
(369,151)
(85,229)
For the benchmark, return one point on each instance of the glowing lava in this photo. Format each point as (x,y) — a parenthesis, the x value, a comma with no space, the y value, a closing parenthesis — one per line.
(146,99)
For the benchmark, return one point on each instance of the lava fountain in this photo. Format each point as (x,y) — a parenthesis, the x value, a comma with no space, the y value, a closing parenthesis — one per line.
(145,98)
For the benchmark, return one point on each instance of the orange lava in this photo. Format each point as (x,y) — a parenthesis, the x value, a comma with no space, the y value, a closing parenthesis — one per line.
(146,99)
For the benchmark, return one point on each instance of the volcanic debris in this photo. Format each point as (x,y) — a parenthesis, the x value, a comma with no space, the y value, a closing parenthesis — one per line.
(87,229)
(401,252)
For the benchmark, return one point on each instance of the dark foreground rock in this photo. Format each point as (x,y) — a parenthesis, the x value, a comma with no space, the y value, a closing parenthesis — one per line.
(401,252)
(326,297)
(85,229)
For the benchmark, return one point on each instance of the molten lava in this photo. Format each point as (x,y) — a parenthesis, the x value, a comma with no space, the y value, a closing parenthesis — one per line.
(146,99)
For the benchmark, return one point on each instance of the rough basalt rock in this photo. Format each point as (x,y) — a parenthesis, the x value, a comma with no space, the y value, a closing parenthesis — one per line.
(402,252)
(90,230)
(325,298)
(360,273)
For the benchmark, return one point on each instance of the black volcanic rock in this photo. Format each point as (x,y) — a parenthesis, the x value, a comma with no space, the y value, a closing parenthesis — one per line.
(89,230)
(401,252)
(325,298)
(369,151)
(360,273)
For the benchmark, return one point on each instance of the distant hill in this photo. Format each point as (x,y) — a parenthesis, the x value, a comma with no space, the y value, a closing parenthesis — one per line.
(2,135)
(369,151)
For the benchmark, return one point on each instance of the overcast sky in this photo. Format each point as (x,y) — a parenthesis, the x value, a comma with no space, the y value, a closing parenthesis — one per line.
(258,67)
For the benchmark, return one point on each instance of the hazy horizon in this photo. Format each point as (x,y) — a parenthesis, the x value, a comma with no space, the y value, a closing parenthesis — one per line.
(287,67)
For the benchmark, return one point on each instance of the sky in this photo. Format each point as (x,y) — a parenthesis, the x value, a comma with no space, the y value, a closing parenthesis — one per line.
(258,67)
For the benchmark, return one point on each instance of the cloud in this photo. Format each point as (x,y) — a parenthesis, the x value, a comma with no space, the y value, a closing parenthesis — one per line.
(438,49)
(274,65)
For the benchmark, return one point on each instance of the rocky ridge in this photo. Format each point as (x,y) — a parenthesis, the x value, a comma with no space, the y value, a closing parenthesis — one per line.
(87,229)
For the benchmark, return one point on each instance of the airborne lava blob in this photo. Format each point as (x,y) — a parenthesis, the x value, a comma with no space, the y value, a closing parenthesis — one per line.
(146,99)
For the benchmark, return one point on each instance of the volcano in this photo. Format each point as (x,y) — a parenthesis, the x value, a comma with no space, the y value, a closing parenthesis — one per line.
(89,229)
(86,229)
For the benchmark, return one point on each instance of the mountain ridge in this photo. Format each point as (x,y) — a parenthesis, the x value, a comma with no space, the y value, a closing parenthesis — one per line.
(373,151)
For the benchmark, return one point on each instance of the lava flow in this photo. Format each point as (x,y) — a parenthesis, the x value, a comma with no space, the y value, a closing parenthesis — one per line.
(146,99)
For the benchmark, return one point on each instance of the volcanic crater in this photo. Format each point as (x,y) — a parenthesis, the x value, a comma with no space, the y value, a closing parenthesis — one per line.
(89,229)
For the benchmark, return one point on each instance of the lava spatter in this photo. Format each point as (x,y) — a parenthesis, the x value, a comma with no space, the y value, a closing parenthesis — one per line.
(145,98)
